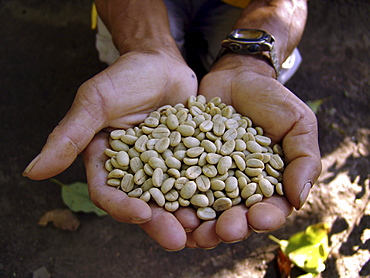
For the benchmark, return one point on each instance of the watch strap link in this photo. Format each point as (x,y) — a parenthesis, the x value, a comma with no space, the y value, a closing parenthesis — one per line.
(275,61)
(252,47)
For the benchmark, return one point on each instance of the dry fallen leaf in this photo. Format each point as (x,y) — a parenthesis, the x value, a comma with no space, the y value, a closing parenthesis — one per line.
(62,219)
(284,264)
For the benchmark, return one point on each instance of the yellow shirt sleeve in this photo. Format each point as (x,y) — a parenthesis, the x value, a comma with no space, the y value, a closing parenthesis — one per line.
(238,3)
(94,17)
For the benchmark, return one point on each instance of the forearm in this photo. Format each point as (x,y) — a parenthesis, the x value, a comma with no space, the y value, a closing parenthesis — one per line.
(284,19)
(136,25)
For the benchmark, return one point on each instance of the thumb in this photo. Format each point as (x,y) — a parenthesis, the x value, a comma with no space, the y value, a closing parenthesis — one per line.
(68,139)
(303,159)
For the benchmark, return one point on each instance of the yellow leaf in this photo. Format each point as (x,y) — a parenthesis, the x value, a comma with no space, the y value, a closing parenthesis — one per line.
(307,249)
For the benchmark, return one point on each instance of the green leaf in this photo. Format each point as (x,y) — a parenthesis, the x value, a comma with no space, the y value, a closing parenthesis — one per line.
(307,249)
(315,104)
(76,197)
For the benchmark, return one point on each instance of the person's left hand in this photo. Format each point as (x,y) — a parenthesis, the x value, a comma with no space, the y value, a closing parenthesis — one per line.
(253,92)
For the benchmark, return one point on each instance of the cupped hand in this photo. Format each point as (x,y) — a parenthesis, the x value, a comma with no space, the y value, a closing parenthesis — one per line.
(121,96)
(287,121)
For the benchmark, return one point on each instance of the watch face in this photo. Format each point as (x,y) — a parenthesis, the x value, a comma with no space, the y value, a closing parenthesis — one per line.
(248,34)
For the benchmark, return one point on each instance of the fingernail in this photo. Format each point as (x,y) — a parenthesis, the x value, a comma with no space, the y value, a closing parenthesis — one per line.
(304,193)
(174,250)
(209,248)
(259,231)
(137,220)
(30,166)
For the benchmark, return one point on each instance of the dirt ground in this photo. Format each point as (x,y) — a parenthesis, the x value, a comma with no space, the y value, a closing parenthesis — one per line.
(47,50)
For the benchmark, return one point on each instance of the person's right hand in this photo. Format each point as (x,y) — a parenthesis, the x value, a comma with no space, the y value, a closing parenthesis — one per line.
(119,97)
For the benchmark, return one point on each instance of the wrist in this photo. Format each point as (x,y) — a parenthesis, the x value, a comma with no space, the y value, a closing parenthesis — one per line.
(258,63)
(165,43)
(136,25)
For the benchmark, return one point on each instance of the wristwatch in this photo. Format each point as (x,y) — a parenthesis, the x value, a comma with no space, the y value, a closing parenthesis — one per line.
(251,42)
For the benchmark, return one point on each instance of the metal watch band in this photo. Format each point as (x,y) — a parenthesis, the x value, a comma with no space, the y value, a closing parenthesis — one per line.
(242,47)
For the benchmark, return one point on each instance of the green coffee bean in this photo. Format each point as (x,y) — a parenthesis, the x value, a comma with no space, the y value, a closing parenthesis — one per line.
(206,213)
(127,183)
(253,147)
(156,162)
(172,122)
(118,145)
(249,190)
(158,196)
(266,187)
(217,185)
(255,198)
(172,206)
(193,172)
(279,189)
(222,204)
(167,185)
(199,200)
(188,190)
(186,130)
(224,164)
(145,196)
(228,147)
(116,174)
(157,177)
(136,164)
(194,151)
(172,195)
(129,139)
(190,161)
(114,182)
(136,192)
(213,158)
(110,152)
(116,134)
(203,183)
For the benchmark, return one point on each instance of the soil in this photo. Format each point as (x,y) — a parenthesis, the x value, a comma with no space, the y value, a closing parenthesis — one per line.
(47,50)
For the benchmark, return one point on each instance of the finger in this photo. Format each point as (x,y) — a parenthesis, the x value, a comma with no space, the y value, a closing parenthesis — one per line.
(114,201)
(165,229)
(205,235)
(189,221)
(302,155)
(232,225)
(190,242)
(68,139)
(188,218)
(269,215)
(281,203)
